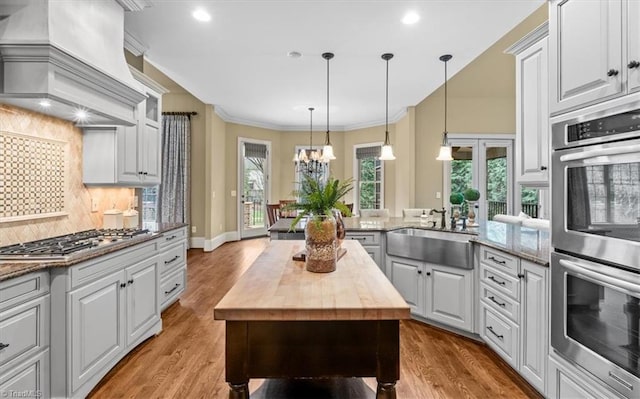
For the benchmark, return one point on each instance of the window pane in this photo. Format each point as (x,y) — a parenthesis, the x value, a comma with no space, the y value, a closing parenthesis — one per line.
(367,195)
(496,190)
(369,183)
(530,201)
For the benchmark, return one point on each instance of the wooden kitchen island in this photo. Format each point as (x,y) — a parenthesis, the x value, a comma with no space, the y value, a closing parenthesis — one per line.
(285,322)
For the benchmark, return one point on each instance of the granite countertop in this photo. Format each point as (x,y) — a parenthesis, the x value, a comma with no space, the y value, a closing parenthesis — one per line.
(526,243)
(11,269)
(376,224)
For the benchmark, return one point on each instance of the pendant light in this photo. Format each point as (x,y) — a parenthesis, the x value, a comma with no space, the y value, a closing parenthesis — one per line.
(445,148)
(386,154)
(327,150)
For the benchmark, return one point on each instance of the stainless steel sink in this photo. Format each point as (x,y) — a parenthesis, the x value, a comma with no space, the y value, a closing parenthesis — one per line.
(438,247)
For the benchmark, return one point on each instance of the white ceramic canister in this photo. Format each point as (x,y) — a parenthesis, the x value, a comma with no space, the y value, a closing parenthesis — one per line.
(112,219)
(130,217)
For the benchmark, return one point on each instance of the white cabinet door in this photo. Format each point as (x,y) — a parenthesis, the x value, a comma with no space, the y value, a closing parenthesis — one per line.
(151,154)
(532,115)
(97,326)
(449,292)
(129,168)
(585,51)
(143,301)
(633,45)
(407,276)
(29,379)
(533,324)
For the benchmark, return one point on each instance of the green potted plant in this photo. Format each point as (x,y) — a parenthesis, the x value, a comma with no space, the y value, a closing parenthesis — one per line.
(320,202)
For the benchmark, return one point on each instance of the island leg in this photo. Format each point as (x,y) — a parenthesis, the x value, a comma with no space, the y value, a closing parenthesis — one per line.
(388,367)
(236,358)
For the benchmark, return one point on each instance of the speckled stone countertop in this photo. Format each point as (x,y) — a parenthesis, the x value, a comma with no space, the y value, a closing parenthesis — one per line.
(529,244)
(376,224)
(11,269)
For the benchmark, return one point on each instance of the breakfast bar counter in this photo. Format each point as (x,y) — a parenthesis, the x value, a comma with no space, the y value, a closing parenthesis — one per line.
(283,321)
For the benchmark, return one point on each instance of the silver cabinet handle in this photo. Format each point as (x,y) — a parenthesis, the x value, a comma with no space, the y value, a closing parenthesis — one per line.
(621,381)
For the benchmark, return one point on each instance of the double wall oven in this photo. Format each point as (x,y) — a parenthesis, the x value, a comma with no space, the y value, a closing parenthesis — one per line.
(595,266)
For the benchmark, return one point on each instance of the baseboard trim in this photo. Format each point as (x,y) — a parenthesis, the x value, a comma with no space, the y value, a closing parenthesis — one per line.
(215,242)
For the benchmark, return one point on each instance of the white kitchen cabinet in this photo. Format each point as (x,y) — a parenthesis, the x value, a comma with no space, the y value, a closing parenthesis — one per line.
(114,304)
(98,315)
(173,266)
(588,59)
(407,278)
(127,155)
(514,318)
(24,335)
(449,296)
(437,293)
(568,382)
(372,243)
(532,108)
(633,45)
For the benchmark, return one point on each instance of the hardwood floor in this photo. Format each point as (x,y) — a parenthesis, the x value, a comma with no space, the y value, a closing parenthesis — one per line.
(187,359)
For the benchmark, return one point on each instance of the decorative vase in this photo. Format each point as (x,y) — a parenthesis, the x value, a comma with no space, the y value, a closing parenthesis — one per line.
(472,214)
(340,231)
(320,235)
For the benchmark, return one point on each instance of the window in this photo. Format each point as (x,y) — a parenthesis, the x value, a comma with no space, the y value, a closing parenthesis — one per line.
(369,177)
(315,169)
(149,206)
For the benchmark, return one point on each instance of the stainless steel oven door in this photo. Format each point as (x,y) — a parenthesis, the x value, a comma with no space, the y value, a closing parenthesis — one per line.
(595,313)
(596,201)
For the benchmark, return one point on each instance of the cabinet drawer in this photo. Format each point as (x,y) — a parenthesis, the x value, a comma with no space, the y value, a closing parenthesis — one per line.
(173,257)
(500,334)
(501,282)
(172,287)
(25,331)
(27,380)
(172,237)
(500,302)
(499,260)
(371,238)
(23,288)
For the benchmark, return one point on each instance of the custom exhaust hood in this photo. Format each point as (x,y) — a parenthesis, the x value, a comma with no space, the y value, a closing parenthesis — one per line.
(65,57)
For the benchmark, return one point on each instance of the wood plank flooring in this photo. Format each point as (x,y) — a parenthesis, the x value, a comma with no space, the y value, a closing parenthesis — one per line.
(187,359)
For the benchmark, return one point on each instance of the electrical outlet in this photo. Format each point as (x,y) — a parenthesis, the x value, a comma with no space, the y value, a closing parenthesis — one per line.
(194,229)
(220,226)
(233,193)
(438,195)
(94,205)
(213,195)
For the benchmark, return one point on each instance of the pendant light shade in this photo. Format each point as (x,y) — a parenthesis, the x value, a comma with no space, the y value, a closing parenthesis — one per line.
(327,150)
(445,149)
(386,154)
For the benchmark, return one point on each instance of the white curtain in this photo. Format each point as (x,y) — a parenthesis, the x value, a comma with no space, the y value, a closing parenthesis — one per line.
(173,199)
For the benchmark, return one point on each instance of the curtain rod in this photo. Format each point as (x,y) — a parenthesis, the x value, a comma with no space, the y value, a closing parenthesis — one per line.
(188,113)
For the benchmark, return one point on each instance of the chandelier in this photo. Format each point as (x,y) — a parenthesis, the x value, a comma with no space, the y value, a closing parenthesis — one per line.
(313,163)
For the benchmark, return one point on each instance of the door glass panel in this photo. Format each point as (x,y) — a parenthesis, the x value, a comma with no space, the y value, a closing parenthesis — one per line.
(151,106)
(253,202)
(461,169)
(530,201)
(604,320)
(497,181)
(605,200)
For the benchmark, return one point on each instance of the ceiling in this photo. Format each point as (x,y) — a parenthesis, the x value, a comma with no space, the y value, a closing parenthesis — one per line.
(238,60)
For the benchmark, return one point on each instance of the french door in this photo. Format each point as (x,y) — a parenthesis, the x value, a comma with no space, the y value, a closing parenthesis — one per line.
(484,164)
(253,186)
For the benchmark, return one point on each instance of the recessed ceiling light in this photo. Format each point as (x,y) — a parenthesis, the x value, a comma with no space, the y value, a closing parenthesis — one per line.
(81,115)
(45,103)
(410,18)
(201,15)
(294,54)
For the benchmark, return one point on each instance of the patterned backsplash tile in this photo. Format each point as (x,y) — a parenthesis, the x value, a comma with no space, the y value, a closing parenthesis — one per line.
(79,197)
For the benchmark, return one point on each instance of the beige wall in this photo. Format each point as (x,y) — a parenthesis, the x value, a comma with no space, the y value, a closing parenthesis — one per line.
(481,100)
(78,196)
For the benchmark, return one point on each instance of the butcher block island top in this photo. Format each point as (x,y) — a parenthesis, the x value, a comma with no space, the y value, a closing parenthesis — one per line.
(276,287)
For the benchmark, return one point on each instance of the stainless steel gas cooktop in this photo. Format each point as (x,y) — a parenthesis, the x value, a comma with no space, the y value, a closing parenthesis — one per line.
(61,247)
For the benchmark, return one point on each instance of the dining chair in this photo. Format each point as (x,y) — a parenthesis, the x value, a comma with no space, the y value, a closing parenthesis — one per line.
(350,207)
(273,212)
(287,213)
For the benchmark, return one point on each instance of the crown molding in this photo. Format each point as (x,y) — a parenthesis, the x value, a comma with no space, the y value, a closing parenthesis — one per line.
(303,128)
(147,81)
(134,5)
(530,38)
(133,45)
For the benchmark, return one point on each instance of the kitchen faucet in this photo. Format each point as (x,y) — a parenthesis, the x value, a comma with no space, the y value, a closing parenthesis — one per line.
(443,222)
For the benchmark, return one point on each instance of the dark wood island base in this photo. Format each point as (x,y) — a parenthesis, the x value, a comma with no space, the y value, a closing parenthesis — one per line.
(312,349)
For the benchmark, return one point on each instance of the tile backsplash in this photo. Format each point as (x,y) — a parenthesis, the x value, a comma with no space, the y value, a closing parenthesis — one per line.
(79,197)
